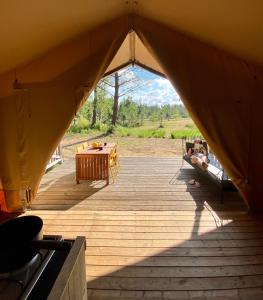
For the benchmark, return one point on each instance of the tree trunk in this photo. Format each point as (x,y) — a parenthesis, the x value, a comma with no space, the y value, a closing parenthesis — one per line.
(116,99)
(94,113)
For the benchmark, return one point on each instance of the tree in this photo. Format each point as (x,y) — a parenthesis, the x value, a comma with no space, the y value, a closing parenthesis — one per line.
(129,113)
(104,110)
(116,98)
(122,83)
(100,94)
(94,112)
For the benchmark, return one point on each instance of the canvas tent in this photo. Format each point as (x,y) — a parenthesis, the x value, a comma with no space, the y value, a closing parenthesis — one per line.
(53,54)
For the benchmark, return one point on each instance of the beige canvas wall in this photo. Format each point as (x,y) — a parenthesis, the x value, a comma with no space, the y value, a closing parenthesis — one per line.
(224,97)
(36,110)
(223,94)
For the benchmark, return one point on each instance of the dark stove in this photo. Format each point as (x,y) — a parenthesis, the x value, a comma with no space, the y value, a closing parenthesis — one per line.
(35,279)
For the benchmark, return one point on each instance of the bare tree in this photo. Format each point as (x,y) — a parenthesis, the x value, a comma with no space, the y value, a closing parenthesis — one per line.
(122,83)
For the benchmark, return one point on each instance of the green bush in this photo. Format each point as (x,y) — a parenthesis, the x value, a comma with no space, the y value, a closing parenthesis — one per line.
(158,133)
(84,131)
(146,133)
(74,128)
(122,131)
(100,127)
(82,123)
(111,129)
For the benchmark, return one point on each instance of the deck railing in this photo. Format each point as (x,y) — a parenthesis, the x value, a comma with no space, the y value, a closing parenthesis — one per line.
(55,159)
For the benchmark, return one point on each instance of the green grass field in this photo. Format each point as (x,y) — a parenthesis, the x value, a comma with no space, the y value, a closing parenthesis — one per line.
(175,129)
(146,140)
(171,129)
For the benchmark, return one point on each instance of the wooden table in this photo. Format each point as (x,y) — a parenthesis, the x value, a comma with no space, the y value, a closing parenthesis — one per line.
(94,164)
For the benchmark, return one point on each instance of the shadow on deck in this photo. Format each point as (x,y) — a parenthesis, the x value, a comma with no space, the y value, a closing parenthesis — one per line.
(152,238)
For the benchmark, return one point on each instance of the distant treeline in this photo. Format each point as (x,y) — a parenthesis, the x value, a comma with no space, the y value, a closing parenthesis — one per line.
(130,114)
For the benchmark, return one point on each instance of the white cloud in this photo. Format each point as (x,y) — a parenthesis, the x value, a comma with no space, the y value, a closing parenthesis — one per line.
(153,90)
(158,91)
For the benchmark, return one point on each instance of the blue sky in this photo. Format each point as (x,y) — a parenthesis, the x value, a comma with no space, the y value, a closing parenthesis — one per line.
(153,89)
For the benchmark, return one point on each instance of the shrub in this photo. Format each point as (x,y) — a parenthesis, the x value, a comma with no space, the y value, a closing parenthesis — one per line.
(142,133)
(74,128)
(124,131)
(82,123)
(104,127)
(111,129)
(158,133)
(84,131)
(100,127)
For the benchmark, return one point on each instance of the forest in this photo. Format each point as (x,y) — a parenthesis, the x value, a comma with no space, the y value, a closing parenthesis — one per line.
(111,108)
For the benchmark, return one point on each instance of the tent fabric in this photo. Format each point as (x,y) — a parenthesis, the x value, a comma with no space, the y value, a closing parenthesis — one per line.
(29,31)
(40,100)
(133,51)
(223,94)
(224,97)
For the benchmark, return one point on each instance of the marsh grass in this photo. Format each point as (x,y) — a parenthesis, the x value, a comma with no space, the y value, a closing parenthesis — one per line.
(186,133)
(172,129)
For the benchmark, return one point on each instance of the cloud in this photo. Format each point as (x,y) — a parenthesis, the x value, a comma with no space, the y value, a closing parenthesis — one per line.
(153,89)
(158,92)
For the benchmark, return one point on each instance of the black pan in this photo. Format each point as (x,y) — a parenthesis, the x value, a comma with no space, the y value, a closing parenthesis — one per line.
(20,240)
(20,231)
(15,238)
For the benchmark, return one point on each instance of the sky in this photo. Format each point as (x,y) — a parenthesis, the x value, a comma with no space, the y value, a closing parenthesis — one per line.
(153,89)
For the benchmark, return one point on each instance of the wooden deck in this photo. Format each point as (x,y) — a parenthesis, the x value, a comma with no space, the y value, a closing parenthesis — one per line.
(151,235)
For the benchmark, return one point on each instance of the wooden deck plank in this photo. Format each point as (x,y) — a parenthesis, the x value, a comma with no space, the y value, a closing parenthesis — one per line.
(175,251)
(173,284)
(152,235)
(173,272)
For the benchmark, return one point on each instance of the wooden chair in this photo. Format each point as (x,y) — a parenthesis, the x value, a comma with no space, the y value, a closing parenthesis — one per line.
(85,145)
(114,163)
(115,159)
(79,149)
(112,169)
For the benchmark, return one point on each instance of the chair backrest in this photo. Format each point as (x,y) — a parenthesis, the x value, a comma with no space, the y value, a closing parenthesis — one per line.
(79,149)
(85,145)
(113,154)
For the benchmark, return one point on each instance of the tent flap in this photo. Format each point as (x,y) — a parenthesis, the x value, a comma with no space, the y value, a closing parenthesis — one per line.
(223,96)
(35,117)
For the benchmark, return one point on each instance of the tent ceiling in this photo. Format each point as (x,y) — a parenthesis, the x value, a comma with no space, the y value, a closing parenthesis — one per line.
(28,31)
(131,51)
